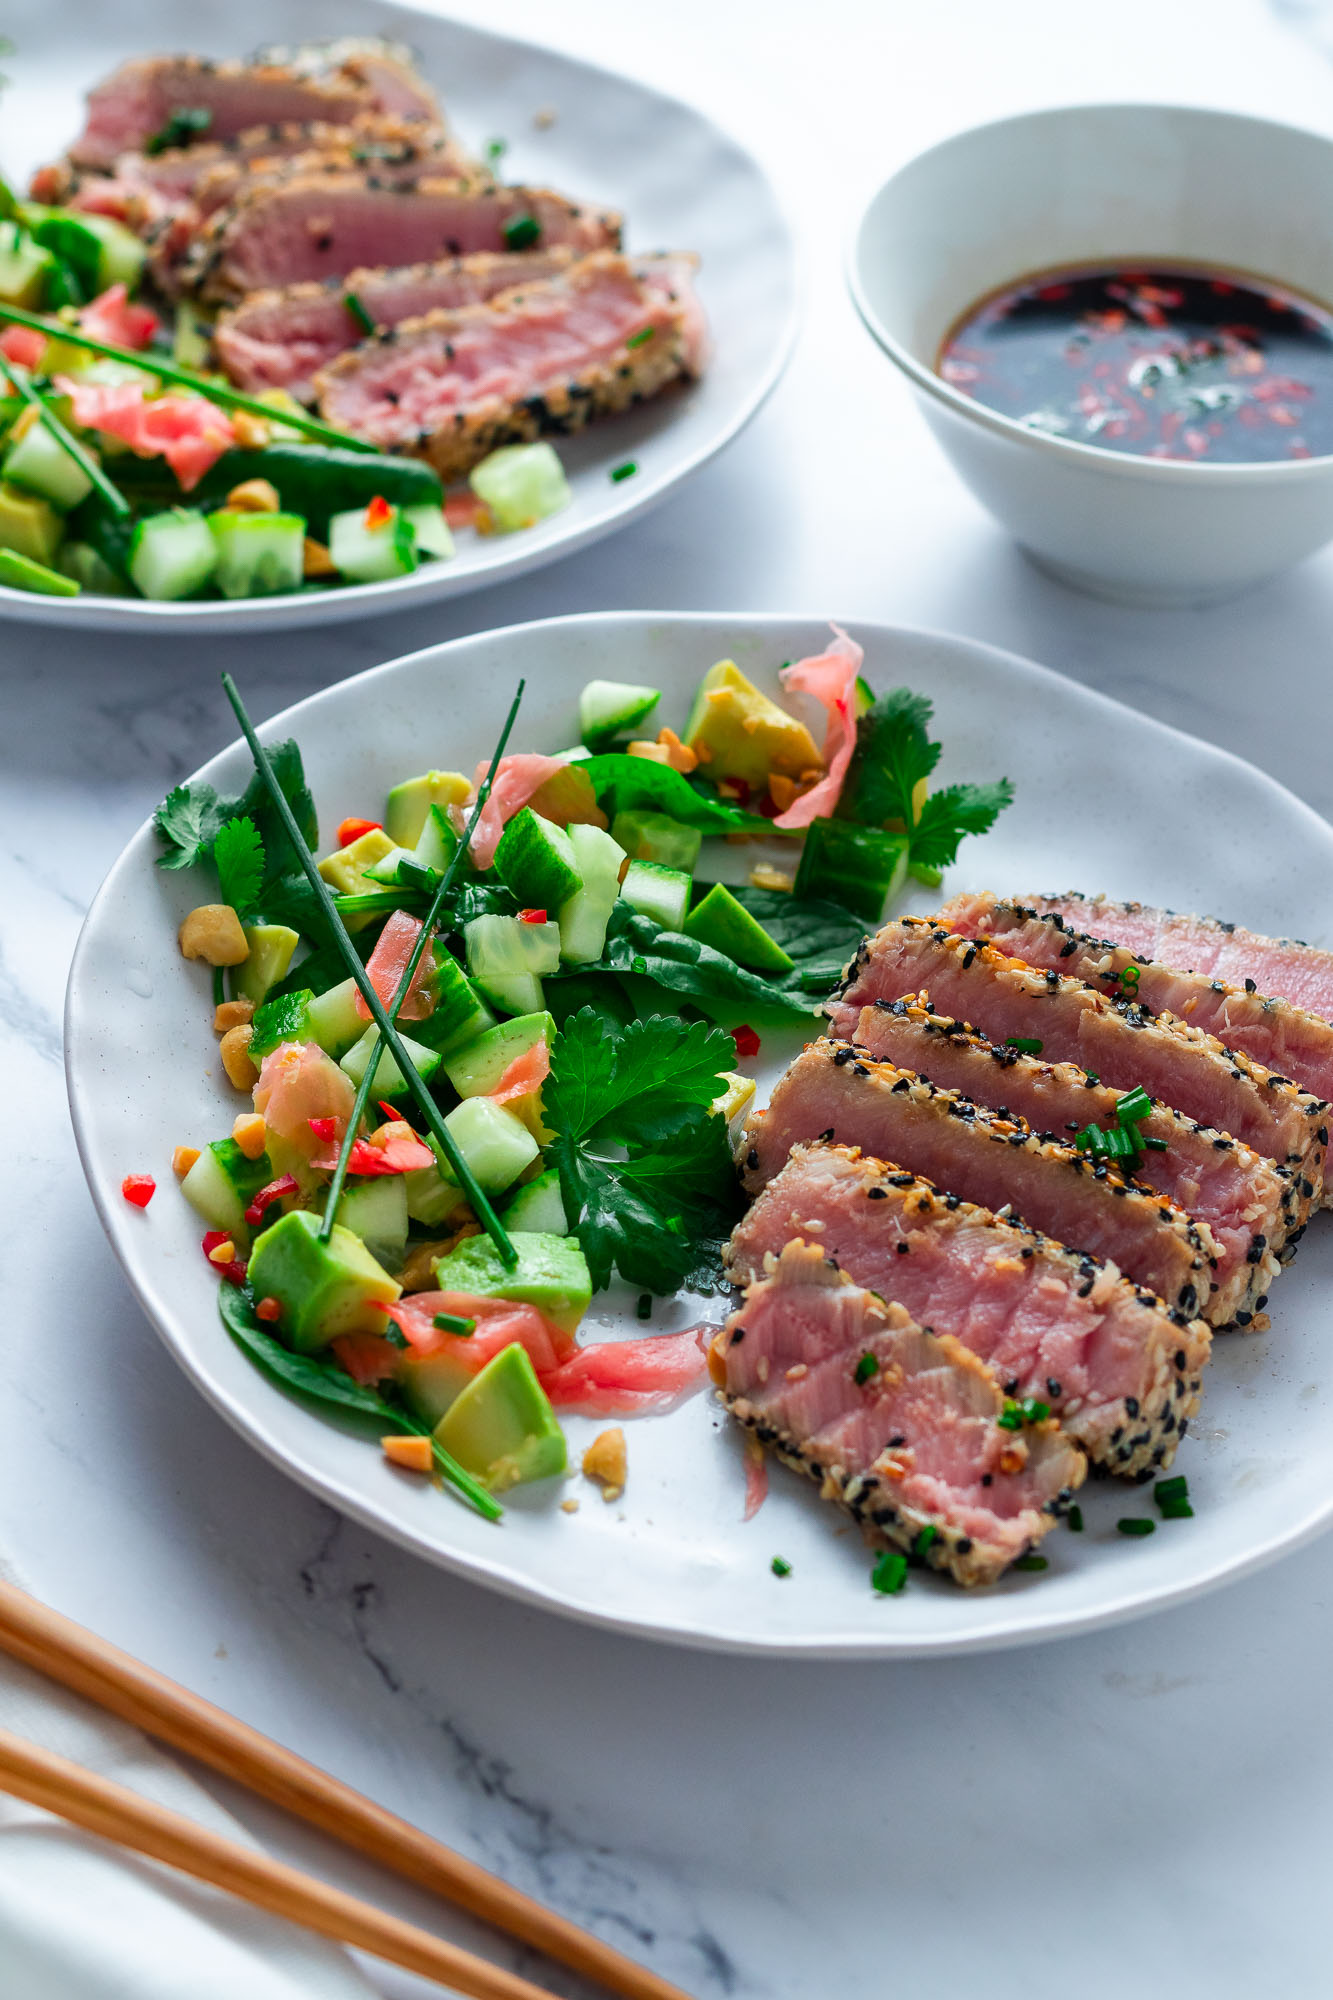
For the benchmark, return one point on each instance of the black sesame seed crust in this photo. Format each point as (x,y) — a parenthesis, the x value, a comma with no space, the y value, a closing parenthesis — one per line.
(1174,1348)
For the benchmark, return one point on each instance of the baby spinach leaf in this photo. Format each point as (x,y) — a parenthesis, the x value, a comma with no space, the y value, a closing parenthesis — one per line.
(624,784)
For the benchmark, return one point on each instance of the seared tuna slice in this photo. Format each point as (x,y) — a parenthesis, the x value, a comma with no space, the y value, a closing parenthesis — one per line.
(399,147)
(388,70)
(288,229)
(899,1425)
(1121,1042)
(1120,1370)
(592,341)
(281,339)
(1248,1203)
(136,101)
(829,1092)
(1268,1029)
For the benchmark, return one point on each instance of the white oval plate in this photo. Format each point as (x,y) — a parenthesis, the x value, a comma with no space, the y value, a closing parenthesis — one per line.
(680,181)
(1106,800)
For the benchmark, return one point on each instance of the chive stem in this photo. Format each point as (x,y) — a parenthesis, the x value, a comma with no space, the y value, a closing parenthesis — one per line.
(167,371)
(85,461)
(430,1111)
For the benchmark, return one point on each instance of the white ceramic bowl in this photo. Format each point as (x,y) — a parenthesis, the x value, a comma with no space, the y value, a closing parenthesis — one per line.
(1087,184)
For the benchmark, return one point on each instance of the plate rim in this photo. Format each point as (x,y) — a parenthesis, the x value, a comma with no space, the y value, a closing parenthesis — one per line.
(436,584)
(1019,1628)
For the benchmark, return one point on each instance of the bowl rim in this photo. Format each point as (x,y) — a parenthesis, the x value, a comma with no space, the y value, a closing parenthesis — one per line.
(1072,450)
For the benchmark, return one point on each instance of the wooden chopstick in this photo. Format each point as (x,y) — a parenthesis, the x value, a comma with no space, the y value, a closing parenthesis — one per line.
(101,1806)
(79,1660)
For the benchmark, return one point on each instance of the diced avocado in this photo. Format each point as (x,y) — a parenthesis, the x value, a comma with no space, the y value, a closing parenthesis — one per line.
(535,858)
(29,525)
(734,1104)
(719,920)
(610,708)
(539,1207)
(271,949)
(286,1019)
(376,1211)
(389,1079)
(476,1069)
(222,1183)
(737,732)
(857,866)
(431,1383)
(496,1144)
(650,836)
(324,1289)
(551,1274)
(502,1427)
(333,1020)
(584,918)
(345,871)
(660,893)
(24,268)
(409,804)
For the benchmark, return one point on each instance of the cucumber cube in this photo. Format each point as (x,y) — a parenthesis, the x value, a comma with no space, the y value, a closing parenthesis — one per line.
(172,555)
(535,858)
(660,893)
(584,918)
(501,1427)
(507,959)
(221,1185)
(437,842)
(538,1208)
(258,555)
(612,708)
(332,1019)
(650,836)
(520,485)
(475,1069)
(460,1013)
(496,1145)
(389,1079)
(376,1211)
(372,551)
(40,464)
(860,867)
(433,1196)
(431,530)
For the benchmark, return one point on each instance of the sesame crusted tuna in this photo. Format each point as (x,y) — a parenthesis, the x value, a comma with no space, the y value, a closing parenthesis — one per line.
(291,228)
(829,1092)
(607,333)
(1248,1203)
(1120,1370)
(280,339)
(1118,1040)
(899,1425)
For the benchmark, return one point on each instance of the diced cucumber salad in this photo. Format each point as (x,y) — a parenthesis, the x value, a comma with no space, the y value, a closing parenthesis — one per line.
(129,469)
(487,1050)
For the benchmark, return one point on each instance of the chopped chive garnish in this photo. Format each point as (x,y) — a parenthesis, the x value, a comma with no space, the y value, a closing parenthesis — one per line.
(625,471)
(379,1014)
(644,1307)
(1092,1076)
(1176,1510)
(69,444)
(1011,1416)
(780,1566)
(1152,1145)
(186,124)
(1175,1488)
(890,1573)
(1075,1519)
(496,150)
(864,1369)
(1032,1562)
(1134,1106)
(1135,1524)
(166,371)
(924,1538)
(358,312)
(219,985)
(644,333)
(452,1323)
(1026,1045)
(1034,1411)
(521,232)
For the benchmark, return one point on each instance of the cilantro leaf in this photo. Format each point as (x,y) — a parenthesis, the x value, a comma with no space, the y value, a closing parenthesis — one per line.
(187,819)
(238,856)
(952,812)
(645,1168)
(893,756)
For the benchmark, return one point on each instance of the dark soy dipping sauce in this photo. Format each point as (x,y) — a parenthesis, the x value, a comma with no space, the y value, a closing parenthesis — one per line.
(1186,364)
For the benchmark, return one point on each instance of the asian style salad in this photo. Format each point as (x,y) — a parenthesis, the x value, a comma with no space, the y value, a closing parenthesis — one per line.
(491,1043)
(269,326)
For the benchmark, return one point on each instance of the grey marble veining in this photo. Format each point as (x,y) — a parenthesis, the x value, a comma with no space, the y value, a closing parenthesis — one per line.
(1154,1797)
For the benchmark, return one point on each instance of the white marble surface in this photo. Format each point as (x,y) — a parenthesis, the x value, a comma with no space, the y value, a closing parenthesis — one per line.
(1151,1803)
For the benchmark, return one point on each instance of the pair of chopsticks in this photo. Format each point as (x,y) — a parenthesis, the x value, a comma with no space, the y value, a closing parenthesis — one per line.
(65,1652)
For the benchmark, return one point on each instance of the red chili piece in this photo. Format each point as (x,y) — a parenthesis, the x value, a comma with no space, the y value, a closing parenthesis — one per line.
(268,1309)
(323,1128)
(532,916)
(746,1040)
(379,513)
(138,1189)
(285,1184)
(233,1273)
(352,829)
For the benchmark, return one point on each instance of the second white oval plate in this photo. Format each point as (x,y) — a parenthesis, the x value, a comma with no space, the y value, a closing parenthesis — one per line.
(1182,824)
(680,182)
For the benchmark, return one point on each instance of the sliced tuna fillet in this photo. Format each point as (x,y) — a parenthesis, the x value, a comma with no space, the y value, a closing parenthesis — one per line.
(1122,1043)
(915,1444)
(1120,1369)
(137,100)
(281,339)
(388,70)
(1248,1203)
(289,229)
(1287,968)
(608,333)
(829,1092)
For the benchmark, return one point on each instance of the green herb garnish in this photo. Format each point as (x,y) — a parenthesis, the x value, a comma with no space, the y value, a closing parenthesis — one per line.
(780,1566)
(890,1573)
(1031,1562)
(521,232)
(1135,1524)
(186,124)
(238,856)
(625,471)
(453,1323)
(894,757)
(1075,1519)
(645,333)
(864,1369)
(925,1538)
(1026,1045)
(358,312)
